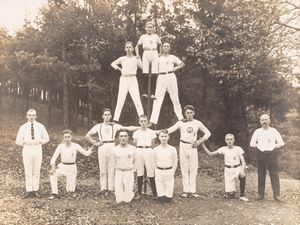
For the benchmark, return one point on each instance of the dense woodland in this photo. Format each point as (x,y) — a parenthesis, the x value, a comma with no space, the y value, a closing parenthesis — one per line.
(235,53)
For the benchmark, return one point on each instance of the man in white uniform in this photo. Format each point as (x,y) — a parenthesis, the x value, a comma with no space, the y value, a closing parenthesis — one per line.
(105,141)
(151,45)
(234,166)
(144,140)
(67,151)
(165,157)
(125,164)
(188,153)
(267,139)
(167,82)
(128,81)
(31,136)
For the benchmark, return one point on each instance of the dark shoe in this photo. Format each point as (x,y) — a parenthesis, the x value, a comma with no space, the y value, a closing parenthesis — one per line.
(35,194)
(278,199)
(28,194)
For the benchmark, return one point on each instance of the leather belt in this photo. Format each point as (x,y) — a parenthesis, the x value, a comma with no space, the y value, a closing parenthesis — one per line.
(186,142)
(165,73)
(104,142)
(150,49)
(128,75)
(164,168)
(124,170)
(143,146)
(68,163)
(235,166)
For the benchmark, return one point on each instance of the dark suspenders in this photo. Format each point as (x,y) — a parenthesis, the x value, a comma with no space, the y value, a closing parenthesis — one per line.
(112,132)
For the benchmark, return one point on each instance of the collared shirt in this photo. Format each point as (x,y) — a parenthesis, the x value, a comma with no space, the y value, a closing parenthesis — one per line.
(189,130)
(266,139)
(106,132)
(165,156)
(232,156)
(125,157)
(144,137)
(166,63)
(68,153)
(24,134)
(149,41)
(129,64)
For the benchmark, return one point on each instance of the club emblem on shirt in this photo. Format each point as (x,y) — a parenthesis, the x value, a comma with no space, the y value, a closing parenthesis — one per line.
(234,157)
(167,63)
(151,42)
(106,130)
(269,140)
(189,130)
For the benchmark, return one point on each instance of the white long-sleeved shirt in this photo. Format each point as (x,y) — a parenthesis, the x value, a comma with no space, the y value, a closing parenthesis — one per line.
(266,139)
(68,153)
(232,156)
(24,134)
(129,64)
(165,156)
(125,157)
(189,130)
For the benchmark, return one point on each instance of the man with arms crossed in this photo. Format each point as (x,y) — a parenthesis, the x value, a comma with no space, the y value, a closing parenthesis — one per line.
(267,139)
(188,153)
(31,136)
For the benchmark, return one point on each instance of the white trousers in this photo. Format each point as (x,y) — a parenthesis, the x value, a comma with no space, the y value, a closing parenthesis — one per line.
(231,175)
(189,167)
(165,83)
(164,180)
(32,160)
(124,181)
(150,56)
(145,158)
(128,84)
(106,166)
(70,172)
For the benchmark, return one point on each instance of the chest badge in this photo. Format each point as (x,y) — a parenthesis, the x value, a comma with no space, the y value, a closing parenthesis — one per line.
(189,130)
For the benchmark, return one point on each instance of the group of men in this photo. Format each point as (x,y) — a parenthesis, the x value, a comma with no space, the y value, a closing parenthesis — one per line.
(117,164)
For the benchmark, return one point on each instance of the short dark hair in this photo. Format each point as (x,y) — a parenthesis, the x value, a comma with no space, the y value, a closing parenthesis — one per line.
(164,131)
(129,43)
(106,110)
(68,131)
(121,130)
(143,116)
(189,107)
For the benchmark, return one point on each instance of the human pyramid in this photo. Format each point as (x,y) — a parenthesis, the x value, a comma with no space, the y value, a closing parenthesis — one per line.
(118,163)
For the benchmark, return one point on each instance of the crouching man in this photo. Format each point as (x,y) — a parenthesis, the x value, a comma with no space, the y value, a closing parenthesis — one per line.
(125,165)
(67,167)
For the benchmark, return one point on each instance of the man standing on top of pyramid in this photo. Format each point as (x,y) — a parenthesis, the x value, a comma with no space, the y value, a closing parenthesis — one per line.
(150,43)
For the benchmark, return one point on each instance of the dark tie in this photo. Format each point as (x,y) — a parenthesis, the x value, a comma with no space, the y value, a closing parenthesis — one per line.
(32,131)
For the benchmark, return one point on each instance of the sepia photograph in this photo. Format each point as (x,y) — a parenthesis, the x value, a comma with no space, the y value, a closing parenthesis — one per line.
(150,112)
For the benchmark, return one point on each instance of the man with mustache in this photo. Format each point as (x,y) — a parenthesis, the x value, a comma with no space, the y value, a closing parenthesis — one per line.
(266,139)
